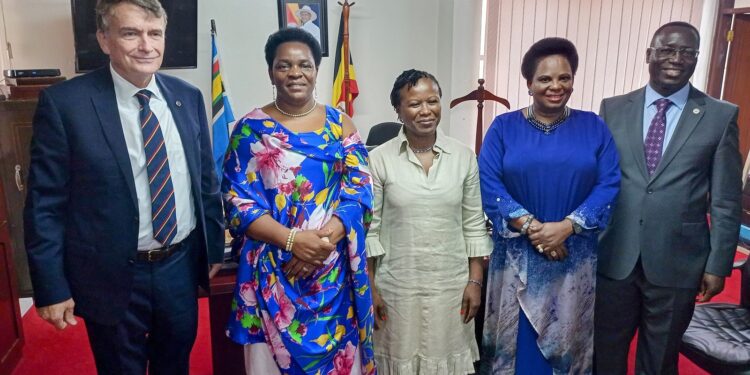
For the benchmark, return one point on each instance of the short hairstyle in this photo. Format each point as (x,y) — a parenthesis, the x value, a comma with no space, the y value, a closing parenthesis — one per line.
(104,10)
(409,78)
(292,34)
(548,47)
(677,24)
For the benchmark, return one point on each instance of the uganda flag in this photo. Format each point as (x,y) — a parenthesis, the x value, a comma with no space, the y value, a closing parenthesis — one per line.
(338,76)
(222,116)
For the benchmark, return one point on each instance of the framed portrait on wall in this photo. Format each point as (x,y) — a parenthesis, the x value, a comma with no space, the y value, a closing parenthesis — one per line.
(309,15)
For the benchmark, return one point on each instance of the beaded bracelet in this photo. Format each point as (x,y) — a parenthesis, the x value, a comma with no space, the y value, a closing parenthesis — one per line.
(526,224)
(290,239)
(476,282)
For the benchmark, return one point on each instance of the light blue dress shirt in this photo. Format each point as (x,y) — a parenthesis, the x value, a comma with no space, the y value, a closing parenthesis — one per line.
(679,100)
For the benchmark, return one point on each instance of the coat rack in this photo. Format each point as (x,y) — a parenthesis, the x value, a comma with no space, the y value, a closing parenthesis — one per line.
(480,95)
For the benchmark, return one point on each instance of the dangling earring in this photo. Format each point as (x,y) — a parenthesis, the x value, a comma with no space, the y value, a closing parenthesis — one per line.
(273,87)
(315,93)
(530,93)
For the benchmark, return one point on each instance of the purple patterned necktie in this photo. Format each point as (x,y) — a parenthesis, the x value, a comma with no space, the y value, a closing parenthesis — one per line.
(655,137)
(159,179)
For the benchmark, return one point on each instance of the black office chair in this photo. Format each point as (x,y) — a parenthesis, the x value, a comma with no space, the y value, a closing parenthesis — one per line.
(382,133)
(718,338)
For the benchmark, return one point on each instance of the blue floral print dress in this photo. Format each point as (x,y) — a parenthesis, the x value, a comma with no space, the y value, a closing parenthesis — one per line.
(314,325)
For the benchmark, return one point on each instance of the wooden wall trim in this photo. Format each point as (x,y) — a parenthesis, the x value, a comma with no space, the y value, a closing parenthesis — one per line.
(737,10)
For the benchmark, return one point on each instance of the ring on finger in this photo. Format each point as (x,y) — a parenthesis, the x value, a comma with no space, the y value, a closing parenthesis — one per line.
(553,253)
(540,248)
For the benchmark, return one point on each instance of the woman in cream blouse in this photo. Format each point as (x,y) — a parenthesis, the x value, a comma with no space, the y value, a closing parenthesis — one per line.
(426,241)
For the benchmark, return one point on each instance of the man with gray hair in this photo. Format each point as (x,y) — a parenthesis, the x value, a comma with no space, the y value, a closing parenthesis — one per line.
(123,214)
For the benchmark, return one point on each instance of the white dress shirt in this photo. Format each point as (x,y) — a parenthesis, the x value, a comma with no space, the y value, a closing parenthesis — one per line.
(129,109)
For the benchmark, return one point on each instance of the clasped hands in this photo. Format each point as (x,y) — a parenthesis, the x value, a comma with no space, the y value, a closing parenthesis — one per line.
(549,238)
(312,247)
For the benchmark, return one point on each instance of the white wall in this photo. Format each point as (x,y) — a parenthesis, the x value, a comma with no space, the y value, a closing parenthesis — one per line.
(386,37)
(463,70)
(41,34)
(4,63)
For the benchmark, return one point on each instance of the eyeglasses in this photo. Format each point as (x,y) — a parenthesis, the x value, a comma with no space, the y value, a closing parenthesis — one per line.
(669,52)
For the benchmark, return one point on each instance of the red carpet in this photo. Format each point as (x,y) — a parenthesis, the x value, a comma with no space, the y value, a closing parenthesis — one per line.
(49,351)
(67,352)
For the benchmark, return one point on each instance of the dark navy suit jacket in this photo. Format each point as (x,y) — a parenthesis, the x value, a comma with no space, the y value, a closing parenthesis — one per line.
(81,216)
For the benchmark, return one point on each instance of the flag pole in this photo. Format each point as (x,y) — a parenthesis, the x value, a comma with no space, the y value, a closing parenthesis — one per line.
(221,111)
(345,45)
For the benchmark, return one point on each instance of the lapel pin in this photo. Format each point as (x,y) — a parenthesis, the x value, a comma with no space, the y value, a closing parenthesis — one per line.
(696,111)
(179,104)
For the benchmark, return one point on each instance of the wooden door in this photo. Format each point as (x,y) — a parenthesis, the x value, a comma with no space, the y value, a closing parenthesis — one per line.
(737,84)
(11,329)
(15,138)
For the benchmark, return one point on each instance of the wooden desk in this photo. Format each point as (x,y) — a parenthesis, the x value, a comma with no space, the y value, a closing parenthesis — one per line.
(227,357)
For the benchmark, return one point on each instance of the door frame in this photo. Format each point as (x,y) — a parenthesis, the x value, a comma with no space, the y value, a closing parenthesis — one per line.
(719,50)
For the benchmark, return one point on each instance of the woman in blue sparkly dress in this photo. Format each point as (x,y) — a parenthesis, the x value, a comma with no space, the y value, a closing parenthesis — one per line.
(549,175)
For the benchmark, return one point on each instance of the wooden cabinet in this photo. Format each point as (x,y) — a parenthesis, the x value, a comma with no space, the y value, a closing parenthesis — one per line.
(11,329)
(15,138)
(228,358)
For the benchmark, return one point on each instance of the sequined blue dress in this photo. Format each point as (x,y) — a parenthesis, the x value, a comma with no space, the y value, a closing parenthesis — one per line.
(571,171)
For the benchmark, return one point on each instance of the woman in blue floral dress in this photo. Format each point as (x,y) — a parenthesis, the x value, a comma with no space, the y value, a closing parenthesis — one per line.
(298,198)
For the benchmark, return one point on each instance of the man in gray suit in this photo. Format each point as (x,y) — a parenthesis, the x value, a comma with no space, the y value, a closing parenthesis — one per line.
(680,160)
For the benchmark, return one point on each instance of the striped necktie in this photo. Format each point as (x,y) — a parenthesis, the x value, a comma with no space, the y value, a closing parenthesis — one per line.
(163,213)
(654,142)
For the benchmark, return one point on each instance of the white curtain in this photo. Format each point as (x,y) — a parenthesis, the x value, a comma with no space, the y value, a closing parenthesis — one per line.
(611,37)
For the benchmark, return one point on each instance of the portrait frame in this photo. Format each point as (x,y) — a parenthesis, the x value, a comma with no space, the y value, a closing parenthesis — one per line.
(291,14)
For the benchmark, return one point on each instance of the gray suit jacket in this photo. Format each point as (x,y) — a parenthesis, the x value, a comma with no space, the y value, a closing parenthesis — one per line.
(662,219)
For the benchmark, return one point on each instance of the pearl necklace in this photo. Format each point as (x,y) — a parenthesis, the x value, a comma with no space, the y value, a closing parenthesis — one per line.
(546,128)
(303,114)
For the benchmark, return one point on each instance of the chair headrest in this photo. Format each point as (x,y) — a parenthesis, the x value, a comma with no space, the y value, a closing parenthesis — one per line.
(382,133)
